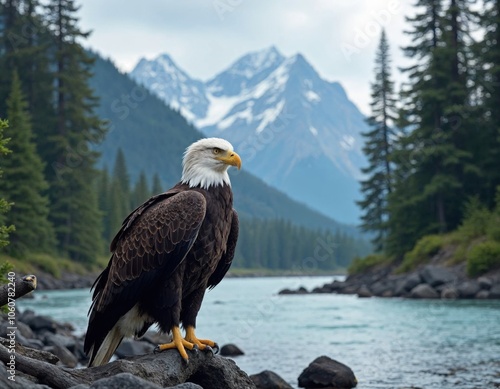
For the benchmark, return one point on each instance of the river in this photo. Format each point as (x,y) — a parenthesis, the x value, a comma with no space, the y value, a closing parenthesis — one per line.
(389,343)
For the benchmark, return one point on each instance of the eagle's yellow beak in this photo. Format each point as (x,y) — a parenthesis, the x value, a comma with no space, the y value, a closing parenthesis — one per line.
(230,158)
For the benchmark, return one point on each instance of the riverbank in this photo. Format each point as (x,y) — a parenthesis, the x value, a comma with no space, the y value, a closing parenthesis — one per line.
(432,281)
(70,280)
(43,346)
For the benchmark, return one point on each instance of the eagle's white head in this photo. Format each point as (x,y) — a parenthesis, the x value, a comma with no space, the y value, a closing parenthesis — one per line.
(206,161)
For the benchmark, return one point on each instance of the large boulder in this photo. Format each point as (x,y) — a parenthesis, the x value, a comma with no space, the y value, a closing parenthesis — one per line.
(424,291)
(129,348)
(495,292)
(485,283)
(269,380)
(450,293)
(468,289)
(436,275)
(231,350)
(410,282)
(364,292)
(129,381)
(325,372)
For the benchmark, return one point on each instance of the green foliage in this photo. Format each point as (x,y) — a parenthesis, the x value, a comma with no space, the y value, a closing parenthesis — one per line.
(23,183)
(476,220)
(483,257)
(279,244)
(360,265)
(378,148)
(4,205)
(5,268)
(424,249)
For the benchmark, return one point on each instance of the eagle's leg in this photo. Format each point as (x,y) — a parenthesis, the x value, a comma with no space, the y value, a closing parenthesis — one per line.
(178,342)
(201,343)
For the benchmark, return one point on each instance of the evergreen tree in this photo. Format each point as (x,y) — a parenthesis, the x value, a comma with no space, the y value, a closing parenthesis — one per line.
(74,211)
(157,186)
(488,83)
(4,205)
(25,43)
(378,185)
(23,183)
(141,191)
(104,202)
(433,161)
(121,176)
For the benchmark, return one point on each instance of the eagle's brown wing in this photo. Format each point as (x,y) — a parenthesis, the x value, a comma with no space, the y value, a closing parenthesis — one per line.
(226,260)
(153,241)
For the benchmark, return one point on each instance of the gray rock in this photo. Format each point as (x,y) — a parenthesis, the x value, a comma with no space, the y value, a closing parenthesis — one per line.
(436,275)
(364,292)
(156,338)
(130,348)
(483,294)
(495,292)
(321,289)
(411,281)
(325,372)
(123,381)
(335,286)
(231,350)
(468,289)
(269,380)
(52,339)
(449,292)
(39,323)
(301,290)
(379,288)
(25,330)
(186,385)
(424,291)
(485,283)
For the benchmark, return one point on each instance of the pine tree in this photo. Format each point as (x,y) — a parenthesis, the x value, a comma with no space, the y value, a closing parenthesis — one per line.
(23,183)
(432,159)
(121,176)
(25,43)
(378,185)
(74,211)
(488,83)
(141,191)
(4,204)
(157,186)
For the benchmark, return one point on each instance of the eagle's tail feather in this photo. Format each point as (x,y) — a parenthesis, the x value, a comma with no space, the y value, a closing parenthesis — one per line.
(107,348)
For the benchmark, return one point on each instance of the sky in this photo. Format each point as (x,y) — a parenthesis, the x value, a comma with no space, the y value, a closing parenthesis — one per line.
(338,37)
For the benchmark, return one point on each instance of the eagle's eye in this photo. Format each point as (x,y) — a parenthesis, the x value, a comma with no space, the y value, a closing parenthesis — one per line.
(216,150)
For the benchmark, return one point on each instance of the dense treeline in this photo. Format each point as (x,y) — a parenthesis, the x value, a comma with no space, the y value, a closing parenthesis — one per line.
(51,113)
(263,243)
(439,146)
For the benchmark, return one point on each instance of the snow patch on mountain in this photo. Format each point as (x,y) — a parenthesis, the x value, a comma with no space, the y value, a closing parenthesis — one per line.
(296,130)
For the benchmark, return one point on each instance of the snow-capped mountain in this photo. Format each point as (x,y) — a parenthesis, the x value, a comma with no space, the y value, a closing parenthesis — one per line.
(297,131)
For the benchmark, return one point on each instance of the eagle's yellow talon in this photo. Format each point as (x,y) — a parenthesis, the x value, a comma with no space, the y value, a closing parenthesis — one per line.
(178,342)
(201,343)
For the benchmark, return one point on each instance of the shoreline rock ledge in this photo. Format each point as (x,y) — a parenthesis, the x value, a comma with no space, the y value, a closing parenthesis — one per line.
(163,370)
(427,282)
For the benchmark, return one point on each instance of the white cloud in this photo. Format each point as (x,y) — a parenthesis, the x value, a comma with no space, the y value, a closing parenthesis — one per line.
(203,43)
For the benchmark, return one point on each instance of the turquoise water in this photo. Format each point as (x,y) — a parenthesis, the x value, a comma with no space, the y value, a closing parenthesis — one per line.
(389,343)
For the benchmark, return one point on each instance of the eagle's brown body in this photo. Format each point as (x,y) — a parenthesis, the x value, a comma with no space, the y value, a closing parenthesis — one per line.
(167,253)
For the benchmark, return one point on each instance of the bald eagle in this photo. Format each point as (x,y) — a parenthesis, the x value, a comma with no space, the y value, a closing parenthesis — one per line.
(166,254)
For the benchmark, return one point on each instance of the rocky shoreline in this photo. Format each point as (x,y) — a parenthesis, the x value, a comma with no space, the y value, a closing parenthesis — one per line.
(427,282)
(45,349)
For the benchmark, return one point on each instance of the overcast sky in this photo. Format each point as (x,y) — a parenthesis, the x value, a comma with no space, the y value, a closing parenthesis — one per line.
(338,37)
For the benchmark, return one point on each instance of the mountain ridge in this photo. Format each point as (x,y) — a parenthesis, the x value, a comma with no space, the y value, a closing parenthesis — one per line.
(293,126)
(140,121)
